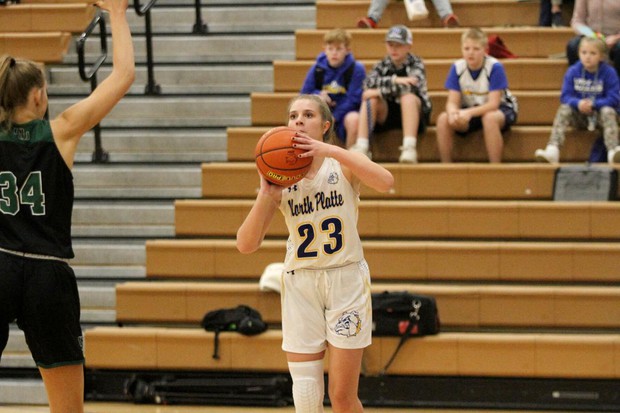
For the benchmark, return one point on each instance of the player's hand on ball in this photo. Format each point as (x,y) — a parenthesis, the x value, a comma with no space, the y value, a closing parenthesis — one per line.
(312,147)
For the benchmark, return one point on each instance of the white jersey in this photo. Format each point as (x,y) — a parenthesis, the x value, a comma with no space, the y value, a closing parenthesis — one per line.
(321,216)
(475,92)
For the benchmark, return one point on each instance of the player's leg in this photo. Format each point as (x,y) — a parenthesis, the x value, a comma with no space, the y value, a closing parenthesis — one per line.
(65,388)
(410,109)
(351,123)
(445,137)
(344,373)
(303,339)
(492,124)
(51,324)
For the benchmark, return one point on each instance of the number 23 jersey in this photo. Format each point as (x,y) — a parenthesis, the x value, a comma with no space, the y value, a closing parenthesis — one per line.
(321,216)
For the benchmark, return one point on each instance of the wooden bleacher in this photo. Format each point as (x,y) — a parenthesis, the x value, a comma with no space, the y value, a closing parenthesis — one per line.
(524,73)
(519,145)
(436,219)
(462,305)
(508,266)
(346,13)
(42,32)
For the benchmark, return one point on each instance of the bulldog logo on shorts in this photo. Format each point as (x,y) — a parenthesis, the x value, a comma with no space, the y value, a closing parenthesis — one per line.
(349,324)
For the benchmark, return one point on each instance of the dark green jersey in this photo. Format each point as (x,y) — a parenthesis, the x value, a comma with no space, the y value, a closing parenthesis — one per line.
(36,192)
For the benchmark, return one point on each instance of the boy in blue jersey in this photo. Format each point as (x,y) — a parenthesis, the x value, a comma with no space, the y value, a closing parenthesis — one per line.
(478,98)
(590,98)
(337,78)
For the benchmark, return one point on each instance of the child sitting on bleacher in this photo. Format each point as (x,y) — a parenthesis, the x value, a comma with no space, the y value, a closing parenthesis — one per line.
(337,79)
(590,98)
(395,96)
(478,98)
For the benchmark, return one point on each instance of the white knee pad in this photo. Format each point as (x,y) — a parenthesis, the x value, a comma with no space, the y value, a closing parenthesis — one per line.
(308,386)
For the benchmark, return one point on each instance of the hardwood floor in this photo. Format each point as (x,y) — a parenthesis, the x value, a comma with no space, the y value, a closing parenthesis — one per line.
(93,407)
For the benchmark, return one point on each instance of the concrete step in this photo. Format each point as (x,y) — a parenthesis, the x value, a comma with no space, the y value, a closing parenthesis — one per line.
(168,112)
(187,79)
(232,18)
(158,145)
(217,48)
(18,391)
(108,252)
(123,219)
(137,181)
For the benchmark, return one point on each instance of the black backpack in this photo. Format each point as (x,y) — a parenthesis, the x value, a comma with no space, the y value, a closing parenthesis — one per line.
(243,319)
(319,75)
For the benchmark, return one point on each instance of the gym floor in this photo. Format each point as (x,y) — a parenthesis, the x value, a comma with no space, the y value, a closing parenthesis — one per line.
(96,407)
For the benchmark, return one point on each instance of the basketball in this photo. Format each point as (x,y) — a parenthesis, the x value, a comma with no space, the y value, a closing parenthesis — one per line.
(277,160)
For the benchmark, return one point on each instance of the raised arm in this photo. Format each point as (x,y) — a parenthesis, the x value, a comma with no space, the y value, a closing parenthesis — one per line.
(360,168)
(71,124)
(251,233)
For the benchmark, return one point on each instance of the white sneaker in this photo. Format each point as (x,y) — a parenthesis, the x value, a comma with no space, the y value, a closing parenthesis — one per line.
(550,154)
(408,154)
(416,9)
(613,155)
(361,149)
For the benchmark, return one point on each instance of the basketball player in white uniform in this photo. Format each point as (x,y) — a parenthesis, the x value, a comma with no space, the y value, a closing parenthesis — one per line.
(326,282)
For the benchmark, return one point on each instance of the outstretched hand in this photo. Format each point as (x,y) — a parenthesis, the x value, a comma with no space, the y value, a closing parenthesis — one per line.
(111,5)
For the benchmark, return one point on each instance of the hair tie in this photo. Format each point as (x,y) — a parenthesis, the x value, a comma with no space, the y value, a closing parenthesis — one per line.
(12,62)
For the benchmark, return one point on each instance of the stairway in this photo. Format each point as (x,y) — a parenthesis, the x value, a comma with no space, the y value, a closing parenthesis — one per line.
(156,144)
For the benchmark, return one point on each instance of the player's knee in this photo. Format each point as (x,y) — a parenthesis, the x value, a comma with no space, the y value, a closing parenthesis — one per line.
(308,386)
(343,400)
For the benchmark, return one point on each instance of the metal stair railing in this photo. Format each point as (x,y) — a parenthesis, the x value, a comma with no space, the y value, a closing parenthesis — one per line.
(99,154)
(152,88)
(199,27)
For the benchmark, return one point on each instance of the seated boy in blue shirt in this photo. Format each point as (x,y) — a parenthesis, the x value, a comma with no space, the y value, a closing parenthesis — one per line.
(337,78)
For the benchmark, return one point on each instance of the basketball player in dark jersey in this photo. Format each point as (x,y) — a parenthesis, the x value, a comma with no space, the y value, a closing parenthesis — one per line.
(37,286)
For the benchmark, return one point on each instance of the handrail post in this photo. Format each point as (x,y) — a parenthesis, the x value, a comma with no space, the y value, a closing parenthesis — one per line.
(152,88)
(199,27)
(99,154)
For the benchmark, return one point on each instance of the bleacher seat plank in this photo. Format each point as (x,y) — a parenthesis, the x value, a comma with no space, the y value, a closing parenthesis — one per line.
(345,14)
(436,219)
(460,305)
(535,107)
(519,145)
(489,261)
(48,47)
(451,354)
(73,17)
(523,74)
(513,181)
(438,43)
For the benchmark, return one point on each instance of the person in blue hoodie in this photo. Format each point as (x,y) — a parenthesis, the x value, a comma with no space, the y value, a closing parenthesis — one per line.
(590,99)
(337,78)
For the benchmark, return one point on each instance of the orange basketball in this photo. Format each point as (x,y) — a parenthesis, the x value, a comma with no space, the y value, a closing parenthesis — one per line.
(277,160)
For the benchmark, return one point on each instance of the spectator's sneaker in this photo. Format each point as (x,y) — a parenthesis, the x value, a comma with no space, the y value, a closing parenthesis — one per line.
(408,154)
(556,20)
(366,23)
(613,155)
(416,9)
(361,149)
(550,154)
(450,21)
